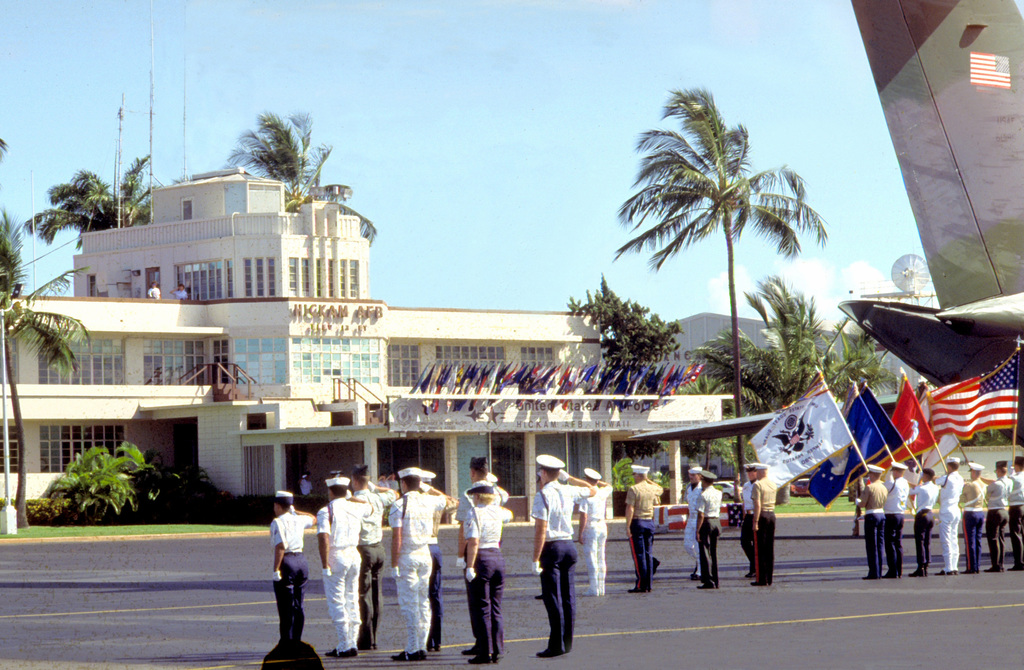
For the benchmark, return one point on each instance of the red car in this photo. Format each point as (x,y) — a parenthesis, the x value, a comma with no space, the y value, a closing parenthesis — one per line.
(800,487)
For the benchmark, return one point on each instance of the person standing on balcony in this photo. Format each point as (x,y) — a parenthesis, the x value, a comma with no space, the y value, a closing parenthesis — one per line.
(154,291)
(180,293)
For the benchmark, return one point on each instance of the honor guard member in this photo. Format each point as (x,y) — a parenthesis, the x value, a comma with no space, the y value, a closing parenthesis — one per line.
(973,499)
(898,490)
(486,572)
(925,496)
(690,543)
(594,531)
(371,553)
(997,518)
(951,485)
(764,525)
(1016,505)
(709,527)
(337,527)
(747,526)
(435,590)
(412,520)
(554,553)
(873,502)
(290,568)
(640,501)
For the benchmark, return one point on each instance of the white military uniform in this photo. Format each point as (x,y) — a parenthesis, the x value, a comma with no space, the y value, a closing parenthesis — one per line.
(595,535)
(413,516)
(690,543)
(950,488)
(341,520)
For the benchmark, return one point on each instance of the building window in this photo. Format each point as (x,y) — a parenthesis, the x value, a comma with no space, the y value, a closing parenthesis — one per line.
(186,209)
(258,467)
(343,267)
(353,279)
(318,266)
(468,354)
(537,354)
(92,292)
(247,273)
(331,280)
(203,281)
(97,361)
(221,354)
(305,277)
(230,277)
(271,277)
(264,359)
(320,359)
(58,445)
(12,439)
(507,461)
(165,362)
(403,364)
(293,276)
(260,279)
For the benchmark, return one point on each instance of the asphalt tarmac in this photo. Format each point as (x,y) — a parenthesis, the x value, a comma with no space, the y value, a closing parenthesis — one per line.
(207,603)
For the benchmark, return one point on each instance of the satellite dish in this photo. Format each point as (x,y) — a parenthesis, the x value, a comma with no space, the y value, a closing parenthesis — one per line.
(910,273)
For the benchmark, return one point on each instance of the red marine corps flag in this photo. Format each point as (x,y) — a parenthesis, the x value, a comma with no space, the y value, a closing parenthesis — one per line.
(910,421)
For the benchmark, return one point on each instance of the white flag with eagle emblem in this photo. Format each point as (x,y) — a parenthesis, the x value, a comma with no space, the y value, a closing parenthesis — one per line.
(802,435)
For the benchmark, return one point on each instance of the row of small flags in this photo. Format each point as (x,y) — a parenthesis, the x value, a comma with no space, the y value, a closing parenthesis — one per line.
(532,379)
(814,437)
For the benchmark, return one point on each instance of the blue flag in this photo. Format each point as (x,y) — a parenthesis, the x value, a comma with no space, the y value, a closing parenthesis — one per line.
(830,478)
(885,425)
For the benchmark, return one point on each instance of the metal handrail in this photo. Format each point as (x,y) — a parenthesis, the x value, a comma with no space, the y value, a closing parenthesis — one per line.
(235,373)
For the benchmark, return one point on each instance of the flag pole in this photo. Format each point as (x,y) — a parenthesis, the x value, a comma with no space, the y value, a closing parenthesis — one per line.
(1013,441)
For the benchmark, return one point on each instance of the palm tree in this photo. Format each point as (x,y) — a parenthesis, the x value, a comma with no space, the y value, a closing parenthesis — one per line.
(87,203)
(3,149)
(49,335)
(282,149)
(699,182)
(97,482)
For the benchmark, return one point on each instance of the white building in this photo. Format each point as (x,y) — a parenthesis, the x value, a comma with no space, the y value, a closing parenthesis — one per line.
(281,362)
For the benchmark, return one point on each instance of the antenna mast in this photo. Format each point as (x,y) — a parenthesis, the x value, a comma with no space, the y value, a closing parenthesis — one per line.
(184,92)
(152,88)
(117,161)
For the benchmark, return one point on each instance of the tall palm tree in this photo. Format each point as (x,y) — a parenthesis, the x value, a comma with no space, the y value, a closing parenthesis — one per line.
(698,182)
(283,149)
(87,203)
(3,149)
(48,335)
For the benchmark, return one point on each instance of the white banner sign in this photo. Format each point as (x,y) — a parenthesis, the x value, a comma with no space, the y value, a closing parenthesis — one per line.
(800,437)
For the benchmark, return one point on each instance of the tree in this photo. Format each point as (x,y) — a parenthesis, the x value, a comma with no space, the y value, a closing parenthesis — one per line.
(87,203)
(699,182)
(282,149)
(3,150)
(630,333)
(97,483)
(49,335)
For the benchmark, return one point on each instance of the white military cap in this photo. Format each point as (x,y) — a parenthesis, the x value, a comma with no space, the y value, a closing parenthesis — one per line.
(754,465)
(976,466)
(593,474)
(338,481)
(953,459)
(696,470)
(546,461)
(640,469)
(284,494)
(492,478)
(427,475)
(875,468)
(410,472)
(899,466)
(761,466)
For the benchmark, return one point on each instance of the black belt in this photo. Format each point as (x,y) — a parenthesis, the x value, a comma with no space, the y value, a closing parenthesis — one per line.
(923,511)
(293,553)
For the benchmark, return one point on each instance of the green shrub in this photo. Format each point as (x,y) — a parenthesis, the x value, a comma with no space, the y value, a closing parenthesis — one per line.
(99,485)
(47,512)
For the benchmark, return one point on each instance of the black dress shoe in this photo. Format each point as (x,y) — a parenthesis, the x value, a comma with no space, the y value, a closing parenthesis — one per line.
(538,597)
(549,653)
(917,573)
(1016,568)
(870,577)
(758,584)
(351,653)
(694,577)
(403,657)
(655,562)
(480,660)
(637,591)
(707,586)
(995,568)
(333,653)
(890,575)
(749,575)
(495,658)
(470,652)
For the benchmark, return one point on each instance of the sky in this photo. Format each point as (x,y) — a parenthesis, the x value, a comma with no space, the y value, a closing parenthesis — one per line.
(491,142)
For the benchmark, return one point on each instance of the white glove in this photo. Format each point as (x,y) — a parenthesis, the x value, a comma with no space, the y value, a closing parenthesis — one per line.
(563,476)
(460,563)
(277,575)
(424,487)
(395,572)
(470,574)
(536,568)
(327,572)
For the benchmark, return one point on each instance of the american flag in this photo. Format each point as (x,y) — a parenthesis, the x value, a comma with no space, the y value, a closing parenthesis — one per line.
(980,403)
(990,70)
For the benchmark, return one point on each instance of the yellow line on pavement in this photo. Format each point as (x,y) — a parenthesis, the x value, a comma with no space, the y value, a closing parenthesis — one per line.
(144,609)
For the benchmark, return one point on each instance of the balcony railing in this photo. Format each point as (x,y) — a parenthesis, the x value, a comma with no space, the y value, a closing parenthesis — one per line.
(224,378)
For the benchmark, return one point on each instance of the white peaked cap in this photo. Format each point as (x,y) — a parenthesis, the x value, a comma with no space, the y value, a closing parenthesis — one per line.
(410,472)
(427,475)
(284,494)
(546,461)
(695,470)
(640,469)
(755,465)
(760,466)
(338,481)
(976,466)
(899,466)
(492,478)
(953,459)
(593,474)
(875,468)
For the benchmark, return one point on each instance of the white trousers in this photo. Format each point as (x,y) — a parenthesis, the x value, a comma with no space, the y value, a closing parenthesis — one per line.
(949,525)
(413,585)
(690,540)
(342,591)
(594,537)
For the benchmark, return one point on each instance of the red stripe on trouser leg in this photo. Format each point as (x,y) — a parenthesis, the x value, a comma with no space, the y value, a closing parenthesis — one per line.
(636,563)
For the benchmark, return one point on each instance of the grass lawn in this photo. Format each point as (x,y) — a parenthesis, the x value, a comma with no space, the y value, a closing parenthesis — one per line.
(122,531)
(809,505)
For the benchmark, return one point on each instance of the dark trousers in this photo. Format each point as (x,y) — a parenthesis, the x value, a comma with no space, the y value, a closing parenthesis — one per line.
(974,526)
(874,539)
(1016,529)
(436,597)
(288,592)
(707,535)
(764,547)
(558,590)
(641,542)
(924,521)
(485,602)
(995,525)
(372,556)
(747,540)
(894,544)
